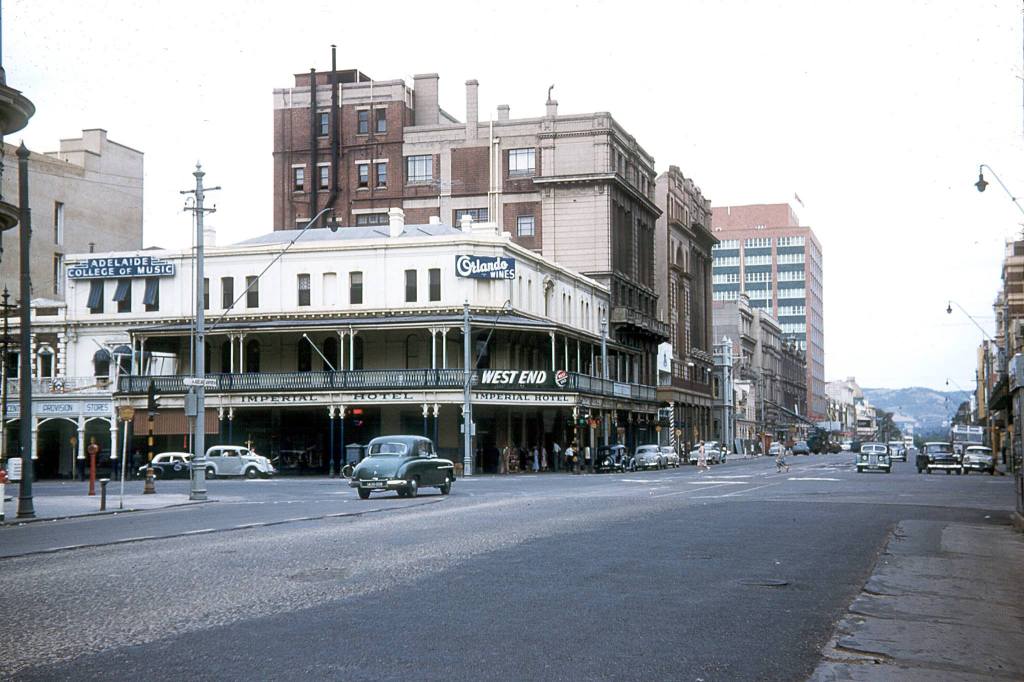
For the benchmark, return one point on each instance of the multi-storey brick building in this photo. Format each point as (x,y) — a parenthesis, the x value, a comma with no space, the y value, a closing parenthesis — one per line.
(682,259)
(765,253)
(577,189)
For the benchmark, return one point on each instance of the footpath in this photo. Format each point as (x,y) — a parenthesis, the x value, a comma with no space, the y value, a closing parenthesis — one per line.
(49,507)
(945,602)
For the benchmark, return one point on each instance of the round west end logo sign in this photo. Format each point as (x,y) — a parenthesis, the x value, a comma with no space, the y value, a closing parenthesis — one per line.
(561,377)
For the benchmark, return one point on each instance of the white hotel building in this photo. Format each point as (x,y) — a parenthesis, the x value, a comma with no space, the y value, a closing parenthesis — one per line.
(349,335)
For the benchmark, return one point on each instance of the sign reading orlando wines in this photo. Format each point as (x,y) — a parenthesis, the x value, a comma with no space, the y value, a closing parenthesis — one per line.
(485,267)
(523,378)
(127,266)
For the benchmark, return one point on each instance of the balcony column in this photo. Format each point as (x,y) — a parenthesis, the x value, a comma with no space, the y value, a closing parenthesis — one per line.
(231,423)
(437,414)
(426,414)
(352,349)
(552,335)
(341,349)
(114,451)
(433,348)
(241,353)
(142,356)
(35,438)
(578,367)
(81,442)
(444,347)
(231,347)
(565,353)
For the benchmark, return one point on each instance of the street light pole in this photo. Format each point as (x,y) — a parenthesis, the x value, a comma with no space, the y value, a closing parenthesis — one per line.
(467,405)
(25,508)
(604,372)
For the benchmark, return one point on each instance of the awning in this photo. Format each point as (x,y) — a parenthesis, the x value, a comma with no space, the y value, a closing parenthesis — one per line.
(172,423)
(123,290)
(95,294)
(152,295)
(999,399)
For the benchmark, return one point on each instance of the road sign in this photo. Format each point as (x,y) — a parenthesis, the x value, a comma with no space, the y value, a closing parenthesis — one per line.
(126,413)
(208,382)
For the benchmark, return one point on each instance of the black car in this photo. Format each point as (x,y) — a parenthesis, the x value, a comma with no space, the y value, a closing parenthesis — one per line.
(169,465)
(404,464)
(611,458)
(938,456)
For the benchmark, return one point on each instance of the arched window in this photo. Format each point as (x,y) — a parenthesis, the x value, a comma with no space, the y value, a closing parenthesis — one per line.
(101,363)
(252,356)
(225,357)
(304,355)
(412,351)
(331,353)
(357,353)
(123,356)
(45,367)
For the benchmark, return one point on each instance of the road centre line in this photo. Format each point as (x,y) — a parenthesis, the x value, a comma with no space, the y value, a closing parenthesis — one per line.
(691,490)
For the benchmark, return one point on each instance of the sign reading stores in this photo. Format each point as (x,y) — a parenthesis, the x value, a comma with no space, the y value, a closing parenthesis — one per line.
(485,267)
(523,379)
(131,266)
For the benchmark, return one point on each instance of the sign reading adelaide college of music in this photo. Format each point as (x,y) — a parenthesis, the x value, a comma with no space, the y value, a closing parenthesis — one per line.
(485,267)
(523,379)
(128,266)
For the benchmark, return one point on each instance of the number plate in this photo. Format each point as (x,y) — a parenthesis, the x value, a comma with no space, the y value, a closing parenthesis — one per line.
(373,484)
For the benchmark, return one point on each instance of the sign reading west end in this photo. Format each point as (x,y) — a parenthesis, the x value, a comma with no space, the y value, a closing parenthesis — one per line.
(485,267)
(128,266)
(522,378)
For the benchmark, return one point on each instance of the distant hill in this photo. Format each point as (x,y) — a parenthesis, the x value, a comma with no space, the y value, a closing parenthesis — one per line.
(929,407)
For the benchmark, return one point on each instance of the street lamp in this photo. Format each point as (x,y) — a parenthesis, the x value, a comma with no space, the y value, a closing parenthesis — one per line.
(981,184)
(949,311)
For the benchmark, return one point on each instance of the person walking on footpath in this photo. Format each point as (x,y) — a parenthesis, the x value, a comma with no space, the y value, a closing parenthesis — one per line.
(556,455)
(570,459)
(536,460)
(702,459)
(587,462)
(543,458)
(506,453)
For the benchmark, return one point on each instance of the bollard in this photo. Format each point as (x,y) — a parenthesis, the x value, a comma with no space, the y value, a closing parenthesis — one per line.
(103,493)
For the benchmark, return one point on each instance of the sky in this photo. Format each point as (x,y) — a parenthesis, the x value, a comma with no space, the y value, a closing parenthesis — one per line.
(876,114)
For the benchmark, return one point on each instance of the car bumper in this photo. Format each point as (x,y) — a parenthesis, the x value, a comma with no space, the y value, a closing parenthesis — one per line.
(874,467)
(378,483)
(942,465)
(978,466)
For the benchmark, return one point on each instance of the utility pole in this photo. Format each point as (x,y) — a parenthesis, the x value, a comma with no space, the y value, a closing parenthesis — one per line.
(25,508)
(198,489)
(3,378)
(604,372)
(467,404)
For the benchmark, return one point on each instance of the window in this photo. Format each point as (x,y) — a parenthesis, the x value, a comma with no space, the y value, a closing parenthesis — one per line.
(435,283)
(123,295)
(410,286)
(380,117)
(420,168)
(206,293)
(791,276)
(304,359)
(227,292)
(366,219)
(757,260)
(324,172)
(726,261)
(790,241)
(791,258)
(303,284)
(525,226)
(45,362)
(355,288)
(758,276)
(727,278)
(726,244)
(252,356)
(58,274)
(252,292)
(363,122)
(330,288)
(325,123)
(479,215)
(95,303)
(58,223)
(363,172)
(331,358)
(382,174)
(298,179)
(758,243)
(521,161)
(151,297)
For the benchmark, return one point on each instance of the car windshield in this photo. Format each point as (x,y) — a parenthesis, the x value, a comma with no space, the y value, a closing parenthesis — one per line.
(978,451)
(939,448)
(873,449)
(388,449)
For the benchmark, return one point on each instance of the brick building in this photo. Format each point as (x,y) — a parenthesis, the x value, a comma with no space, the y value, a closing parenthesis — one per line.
(765,253)
(577,188)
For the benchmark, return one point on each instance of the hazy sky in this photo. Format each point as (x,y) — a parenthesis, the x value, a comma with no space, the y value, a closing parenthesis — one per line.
(876,113)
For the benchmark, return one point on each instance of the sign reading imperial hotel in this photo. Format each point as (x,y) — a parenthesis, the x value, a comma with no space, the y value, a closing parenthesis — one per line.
(358,333)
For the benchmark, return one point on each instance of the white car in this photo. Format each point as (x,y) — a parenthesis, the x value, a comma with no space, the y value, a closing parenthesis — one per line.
(978,458)
(649,457)
(669,456)
(235,460)
(711,452)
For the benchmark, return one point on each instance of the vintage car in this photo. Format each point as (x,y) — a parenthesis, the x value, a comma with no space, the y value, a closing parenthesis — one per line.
(669,456)
(711,452)
(235,460)
(649,457)
(897,450)
(978,458)
(938,456)
(403,464)
(169,465)
(874,457)
(611,458)
(801,448)
(776,449)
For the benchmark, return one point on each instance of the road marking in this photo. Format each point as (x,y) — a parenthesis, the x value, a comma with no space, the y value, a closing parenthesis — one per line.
(733,494)
(809,478)
(691,490)
(711,480)
(197,532)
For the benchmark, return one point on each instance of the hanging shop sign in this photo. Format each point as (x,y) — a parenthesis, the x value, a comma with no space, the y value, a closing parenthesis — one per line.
(129,266)
(485,267)
(523,378)
(501,398)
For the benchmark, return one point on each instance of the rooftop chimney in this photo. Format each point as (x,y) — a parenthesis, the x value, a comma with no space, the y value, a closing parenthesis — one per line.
(552,104)
(502,112)
(425,103)
(396,222)
(435,220)
(472,108)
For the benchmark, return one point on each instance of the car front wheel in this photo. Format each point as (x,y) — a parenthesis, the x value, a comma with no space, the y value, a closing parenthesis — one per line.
(251,473)
(447,487)
(211,473)
(364,493)
(412,488)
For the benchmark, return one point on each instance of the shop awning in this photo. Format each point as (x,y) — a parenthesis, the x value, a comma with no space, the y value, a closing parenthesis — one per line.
(152,294)
(123,290)
(95,294)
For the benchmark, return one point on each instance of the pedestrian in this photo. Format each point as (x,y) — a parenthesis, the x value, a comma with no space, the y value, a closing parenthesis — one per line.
(702,459)
(556,455)
(570,459)
(536,459)
(543,458)
(780,462)
(587,462)
(506,453)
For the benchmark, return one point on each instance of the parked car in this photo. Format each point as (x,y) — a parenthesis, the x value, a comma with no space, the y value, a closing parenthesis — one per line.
(169,465)
(846,445)
(897,450)
(874,457)
(611,458)
(235,460)
(668,453)
(711,452)
(938,456)
(776,449)
(978,458)
(403,464)
(649,457)
(801,448)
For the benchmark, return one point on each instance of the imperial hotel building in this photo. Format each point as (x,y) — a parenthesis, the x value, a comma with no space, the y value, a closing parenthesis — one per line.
(764,252)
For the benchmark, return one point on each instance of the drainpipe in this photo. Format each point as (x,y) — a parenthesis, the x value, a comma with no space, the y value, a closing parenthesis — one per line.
(335,135)
(314,175)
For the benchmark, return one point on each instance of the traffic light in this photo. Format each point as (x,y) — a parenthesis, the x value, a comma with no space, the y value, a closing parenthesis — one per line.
(152,402)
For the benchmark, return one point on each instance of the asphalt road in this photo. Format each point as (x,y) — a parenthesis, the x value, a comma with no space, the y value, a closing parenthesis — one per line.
(739,573)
